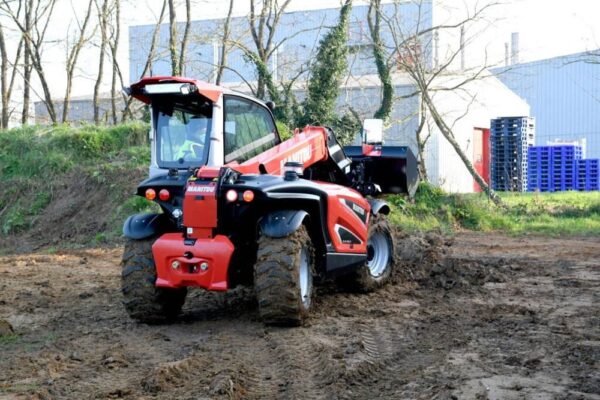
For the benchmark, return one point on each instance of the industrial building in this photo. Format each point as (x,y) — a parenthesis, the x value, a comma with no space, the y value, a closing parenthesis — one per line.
(564,96)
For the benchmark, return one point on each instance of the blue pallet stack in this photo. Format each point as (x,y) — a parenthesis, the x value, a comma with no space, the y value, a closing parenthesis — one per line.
(561,167)
(564,161)
(510,139)
(539,173)
(587,175)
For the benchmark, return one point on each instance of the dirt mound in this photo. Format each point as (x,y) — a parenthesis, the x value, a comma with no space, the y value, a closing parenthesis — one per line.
(84,208)
(426,259)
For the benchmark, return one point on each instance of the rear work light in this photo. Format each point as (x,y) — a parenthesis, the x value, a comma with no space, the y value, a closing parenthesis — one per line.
(170,88)
(164,195)
(231,195)
(150,194)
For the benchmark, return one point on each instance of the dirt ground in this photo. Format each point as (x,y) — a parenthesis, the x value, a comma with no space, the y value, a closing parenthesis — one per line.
(484,317)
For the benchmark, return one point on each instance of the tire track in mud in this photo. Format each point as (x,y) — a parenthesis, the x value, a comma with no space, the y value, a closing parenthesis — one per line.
(379,353)
(298,366)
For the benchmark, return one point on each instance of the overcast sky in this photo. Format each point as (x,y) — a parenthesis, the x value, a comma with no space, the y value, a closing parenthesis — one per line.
(547,28)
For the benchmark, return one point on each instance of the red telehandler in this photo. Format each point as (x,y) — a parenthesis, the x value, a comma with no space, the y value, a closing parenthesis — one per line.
(241,207)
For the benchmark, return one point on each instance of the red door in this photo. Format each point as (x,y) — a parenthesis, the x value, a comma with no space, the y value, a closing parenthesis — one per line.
(481,155)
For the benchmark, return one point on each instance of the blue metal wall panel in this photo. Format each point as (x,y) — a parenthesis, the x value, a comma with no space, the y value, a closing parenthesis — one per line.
(564,95)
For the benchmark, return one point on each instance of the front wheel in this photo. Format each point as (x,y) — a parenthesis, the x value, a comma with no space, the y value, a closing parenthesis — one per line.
(380,258)
(283,278)
(144,301)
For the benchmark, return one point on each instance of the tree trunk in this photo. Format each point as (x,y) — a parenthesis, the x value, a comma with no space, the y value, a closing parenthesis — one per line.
(175,71)
(421,166)
(27,68)
(4,80)
(186,33)
(223,55)
(385,108)
(449,135)
(103,39)
(72,58)
(15,64)
(114,47)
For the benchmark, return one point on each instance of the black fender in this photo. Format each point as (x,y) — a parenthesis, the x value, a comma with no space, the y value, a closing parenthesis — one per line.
(280,224)
(142,226)
(379,207)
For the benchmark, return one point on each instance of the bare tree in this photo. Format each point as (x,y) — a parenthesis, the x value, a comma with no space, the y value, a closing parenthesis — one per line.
(27,67)
(4,80)
(224,45)
(175,66)
(150,57)
(38,14)
(115,35)
(73,56)
(103,23)
(263,27)
(410,52)
(186,35)
(6,83)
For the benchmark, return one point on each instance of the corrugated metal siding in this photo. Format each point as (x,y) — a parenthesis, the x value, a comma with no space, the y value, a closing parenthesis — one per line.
(564,95)
(301,30)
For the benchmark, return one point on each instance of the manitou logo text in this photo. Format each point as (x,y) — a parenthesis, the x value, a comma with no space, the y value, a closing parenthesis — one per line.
(201,189)
(300,156)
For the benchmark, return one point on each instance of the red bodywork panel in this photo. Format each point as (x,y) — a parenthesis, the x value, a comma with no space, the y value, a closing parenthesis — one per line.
(210,91)
(216,252)
(307,147)
(200,196)
(347,210)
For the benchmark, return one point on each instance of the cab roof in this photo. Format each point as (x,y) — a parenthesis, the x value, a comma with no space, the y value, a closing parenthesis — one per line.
(207,90)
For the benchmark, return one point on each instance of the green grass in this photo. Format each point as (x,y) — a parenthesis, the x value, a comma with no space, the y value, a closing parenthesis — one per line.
(8,339)
(35,151)
(564,213)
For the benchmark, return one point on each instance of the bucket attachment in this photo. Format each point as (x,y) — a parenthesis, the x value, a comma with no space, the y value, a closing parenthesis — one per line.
(392,168)
(382,169)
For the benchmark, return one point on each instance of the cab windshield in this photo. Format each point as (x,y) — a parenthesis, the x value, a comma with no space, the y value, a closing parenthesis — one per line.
(182,135)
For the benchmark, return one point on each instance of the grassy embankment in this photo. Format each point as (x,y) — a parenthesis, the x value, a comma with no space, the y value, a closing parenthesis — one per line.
(39,164)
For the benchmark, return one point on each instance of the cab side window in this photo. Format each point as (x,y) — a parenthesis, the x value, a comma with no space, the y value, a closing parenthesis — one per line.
(249,129)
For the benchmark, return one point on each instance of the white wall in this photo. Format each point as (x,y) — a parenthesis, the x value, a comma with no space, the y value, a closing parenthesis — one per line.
(473,106)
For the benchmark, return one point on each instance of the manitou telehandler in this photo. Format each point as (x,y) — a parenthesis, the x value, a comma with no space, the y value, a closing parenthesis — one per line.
(241,207)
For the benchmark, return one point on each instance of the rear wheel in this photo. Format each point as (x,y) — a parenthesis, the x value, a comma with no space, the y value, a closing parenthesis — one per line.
(283,278)
(144,301)
(380,258)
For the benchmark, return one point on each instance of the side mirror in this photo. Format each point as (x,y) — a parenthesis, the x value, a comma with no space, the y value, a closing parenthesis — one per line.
(373,131)
(270,105)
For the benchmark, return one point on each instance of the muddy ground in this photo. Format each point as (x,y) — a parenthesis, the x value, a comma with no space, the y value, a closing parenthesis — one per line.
(489,317)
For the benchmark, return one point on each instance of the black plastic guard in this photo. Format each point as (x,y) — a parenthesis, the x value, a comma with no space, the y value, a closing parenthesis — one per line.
(280,224)
(142,226)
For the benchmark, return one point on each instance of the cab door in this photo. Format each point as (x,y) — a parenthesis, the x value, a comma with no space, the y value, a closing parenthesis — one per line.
(249,129)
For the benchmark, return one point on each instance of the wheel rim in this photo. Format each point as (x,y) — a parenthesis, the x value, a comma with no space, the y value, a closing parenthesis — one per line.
(378,253)
(305,276)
